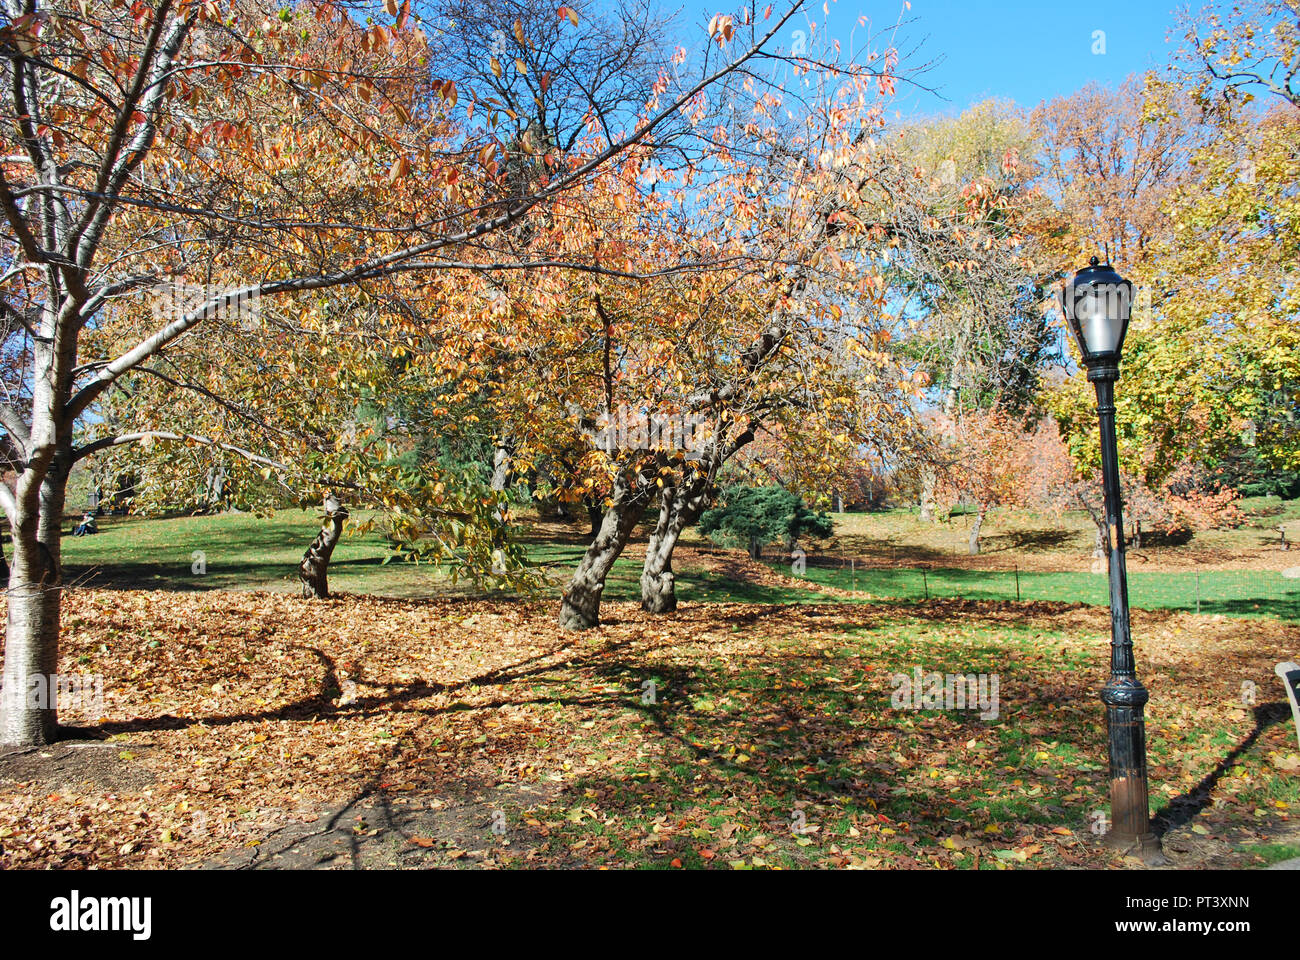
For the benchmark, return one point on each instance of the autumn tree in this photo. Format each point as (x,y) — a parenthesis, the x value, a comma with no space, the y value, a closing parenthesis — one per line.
(1212,355)
(974,309)
(985,467)
(1244,48)
(140,152)
(1110,159)
(740,340)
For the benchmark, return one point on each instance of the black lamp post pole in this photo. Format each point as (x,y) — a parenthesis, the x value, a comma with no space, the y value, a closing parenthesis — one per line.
(1124,695)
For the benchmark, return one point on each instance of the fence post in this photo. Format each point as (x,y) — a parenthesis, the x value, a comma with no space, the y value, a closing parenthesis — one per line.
(1017,583)
(926,583)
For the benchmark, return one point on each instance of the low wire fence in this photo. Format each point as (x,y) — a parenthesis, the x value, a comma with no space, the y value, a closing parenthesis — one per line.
(1235,592)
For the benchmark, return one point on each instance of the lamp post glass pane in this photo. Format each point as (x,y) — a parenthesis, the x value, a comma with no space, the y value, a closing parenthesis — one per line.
(1100,330)
(1101,313)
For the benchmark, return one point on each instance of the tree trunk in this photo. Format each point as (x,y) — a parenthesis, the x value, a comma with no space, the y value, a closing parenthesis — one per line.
(686,501)
(927,494)
(755,548)
(580,607)
(975,531)
(214,488)
(679,507)
(500,468)
(595,515)
(29,710)
(314,568)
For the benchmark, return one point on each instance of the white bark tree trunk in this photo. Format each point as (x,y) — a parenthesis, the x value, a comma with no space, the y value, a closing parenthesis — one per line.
(29,706)
(975,531)
(927,494)
(500,468)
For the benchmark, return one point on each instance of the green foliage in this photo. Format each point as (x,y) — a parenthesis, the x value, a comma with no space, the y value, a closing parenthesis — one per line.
(1212,360)
(755,516)
(1251,475)
(979,332)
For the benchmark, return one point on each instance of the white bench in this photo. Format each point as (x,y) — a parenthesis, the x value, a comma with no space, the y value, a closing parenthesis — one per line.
(1289,672)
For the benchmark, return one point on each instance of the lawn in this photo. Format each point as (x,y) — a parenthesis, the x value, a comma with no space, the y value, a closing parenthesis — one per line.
(268,730)
(406,723)
(1236,592)
(1044,541)
(245,552)
(240,551)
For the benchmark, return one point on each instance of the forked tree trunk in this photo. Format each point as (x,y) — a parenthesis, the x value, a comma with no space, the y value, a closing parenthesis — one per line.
(975,531)
(29,705)
(685,502)
(580,607)
(679,507)
(314,568)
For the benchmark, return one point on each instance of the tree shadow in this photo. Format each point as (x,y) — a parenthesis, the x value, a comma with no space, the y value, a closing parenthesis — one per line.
(1286,608)
(1183,809)
(1041,539)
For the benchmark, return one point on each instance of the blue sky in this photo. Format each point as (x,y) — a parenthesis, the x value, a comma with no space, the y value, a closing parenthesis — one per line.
(1024,50)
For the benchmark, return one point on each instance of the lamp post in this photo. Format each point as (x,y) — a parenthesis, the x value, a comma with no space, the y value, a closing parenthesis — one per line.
(1097,303)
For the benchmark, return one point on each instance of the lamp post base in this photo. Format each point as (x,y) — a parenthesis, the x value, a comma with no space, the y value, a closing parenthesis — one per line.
(1145,846)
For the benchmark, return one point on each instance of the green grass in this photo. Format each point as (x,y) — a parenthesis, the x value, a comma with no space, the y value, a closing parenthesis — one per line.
(1235,592)
(1269,511)
(1274,852)
(806,723)
(245,552)
(240,552)
(758,717)
(898,535)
